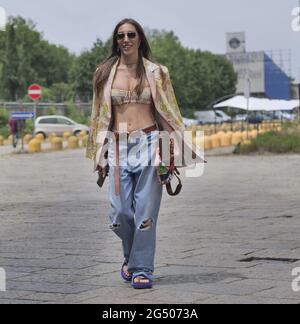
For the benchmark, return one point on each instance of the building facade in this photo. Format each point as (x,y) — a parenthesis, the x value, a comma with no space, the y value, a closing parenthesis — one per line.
(258,74)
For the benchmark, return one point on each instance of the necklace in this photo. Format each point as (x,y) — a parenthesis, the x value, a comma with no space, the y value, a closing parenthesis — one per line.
(129,64)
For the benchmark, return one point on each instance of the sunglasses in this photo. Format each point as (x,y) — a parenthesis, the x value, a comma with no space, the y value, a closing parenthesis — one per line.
(130,35)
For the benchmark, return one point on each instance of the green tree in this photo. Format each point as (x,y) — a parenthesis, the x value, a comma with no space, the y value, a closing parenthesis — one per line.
(61,91)
(84,67)
(10,80)
(198,77)
(26,58)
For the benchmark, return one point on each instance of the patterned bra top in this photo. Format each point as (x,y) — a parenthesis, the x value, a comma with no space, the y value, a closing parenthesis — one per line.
(121,97)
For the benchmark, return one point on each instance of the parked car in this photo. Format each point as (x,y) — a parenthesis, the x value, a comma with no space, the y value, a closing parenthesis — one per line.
(57,124)
(208,117)
(284,115)
(240,117)
(257,118)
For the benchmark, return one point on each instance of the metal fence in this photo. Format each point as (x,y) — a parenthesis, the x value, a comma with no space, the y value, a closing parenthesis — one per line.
(42,109)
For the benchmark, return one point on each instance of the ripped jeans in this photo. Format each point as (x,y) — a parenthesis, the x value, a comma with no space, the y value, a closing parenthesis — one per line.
(134,211)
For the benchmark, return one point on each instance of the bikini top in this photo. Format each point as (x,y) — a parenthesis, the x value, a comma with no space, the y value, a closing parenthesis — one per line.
(121,97)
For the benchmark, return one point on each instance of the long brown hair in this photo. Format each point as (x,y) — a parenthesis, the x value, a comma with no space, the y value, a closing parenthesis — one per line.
(103,70)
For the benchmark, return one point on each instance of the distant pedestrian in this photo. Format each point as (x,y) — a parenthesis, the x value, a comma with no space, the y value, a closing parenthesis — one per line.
(13,130)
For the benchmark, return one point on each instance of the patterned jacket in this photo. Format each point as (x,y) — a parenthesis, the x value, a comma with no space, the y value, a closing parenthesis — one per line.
(166,108)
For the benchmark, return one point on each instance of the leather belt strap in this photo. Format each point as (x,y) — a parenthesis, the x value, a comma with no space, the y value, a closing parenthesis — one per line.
(172,168)
(116,168)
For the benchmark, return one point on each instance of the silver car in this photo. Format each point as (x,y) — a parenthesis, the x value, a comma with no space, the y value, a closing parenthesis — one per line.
(57,124)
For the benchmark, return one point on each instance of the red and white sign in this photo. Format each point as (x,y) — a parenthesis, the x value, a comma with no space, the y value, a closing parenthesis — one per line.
(35,91)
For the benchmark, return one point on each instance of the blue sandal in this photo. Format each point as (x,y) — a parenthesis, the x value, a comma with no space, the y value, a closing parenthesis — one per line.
(142,285)
(124,275)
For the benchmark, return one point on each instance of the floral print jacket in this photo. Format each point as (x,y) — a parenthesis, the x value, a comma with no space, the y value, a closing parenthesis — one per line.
(166,108)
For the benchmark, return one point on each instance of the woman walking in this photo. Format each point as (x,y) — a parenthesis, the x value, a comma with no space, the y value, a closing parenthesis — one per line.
(133,100)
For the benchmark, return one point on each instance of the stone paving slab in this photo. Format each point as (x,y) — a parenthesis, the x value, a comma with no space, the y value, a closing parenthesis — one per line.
(231,236)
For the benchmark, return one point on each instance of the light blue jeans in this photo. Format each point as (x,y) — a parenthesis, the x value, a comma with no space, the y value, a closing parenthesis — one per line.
(135,210)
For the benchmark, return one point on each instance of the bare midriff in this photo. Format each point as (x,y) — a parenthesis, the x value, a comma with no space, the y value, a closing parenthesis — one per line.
(134,115)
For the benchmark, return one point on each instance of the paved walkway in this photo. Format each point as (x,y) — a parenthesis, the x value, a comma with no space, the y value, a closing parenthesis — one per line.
(231,236)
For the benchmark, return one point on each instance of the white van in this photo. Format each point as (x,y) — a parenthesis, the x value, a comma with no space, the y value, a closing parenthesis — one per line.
(207,117)
(224,116)
(212,116)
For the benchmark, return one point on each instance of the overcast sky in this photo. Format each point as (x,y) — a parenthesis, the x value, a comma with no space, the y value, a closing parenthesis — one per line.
(199,24)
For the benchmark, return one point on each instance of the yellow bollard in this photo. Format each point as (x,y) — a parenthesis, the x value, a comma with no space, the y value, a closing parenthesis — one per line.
(227,127)
(237,138)
(9,140)
(207,143)
(39,137)
(67,135)
(73,142)
(34,146)
(215,141)
(253,134)
(244,135)
(51,136)
(226,139)
(56,144)
(1,141)
(82,134)
(27,138)
(236,128)
(85,140)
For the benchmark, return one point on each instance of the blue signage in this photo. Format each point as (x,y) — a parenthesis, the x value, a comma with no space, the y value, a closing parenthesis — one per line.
(22,115)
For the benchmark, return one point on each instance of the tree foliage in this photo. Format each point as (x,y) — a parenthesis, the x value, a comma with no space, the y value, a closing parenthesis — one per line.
(27,58)
(198,77)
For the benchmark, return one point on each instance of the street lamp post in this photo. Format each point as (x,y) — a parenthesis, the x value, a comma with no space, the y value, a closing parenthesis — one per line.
(247,95)
(248,92)
(299,102)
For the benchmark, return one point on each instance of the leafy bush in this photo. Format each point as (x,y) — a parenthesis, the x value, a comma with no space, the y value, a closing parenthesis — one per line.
(4,132)
(51,111)
(286,141)
(29,128)
(3,117)
(75,115)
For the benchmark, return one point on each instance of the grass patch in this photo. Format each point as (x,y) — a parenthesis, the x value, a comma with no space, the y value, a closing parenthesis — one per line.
(285,141)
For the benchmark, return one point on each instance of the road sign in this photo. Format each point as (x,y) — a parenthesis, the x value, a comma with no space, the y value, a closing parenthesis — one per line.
(35,91)
(22,115)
